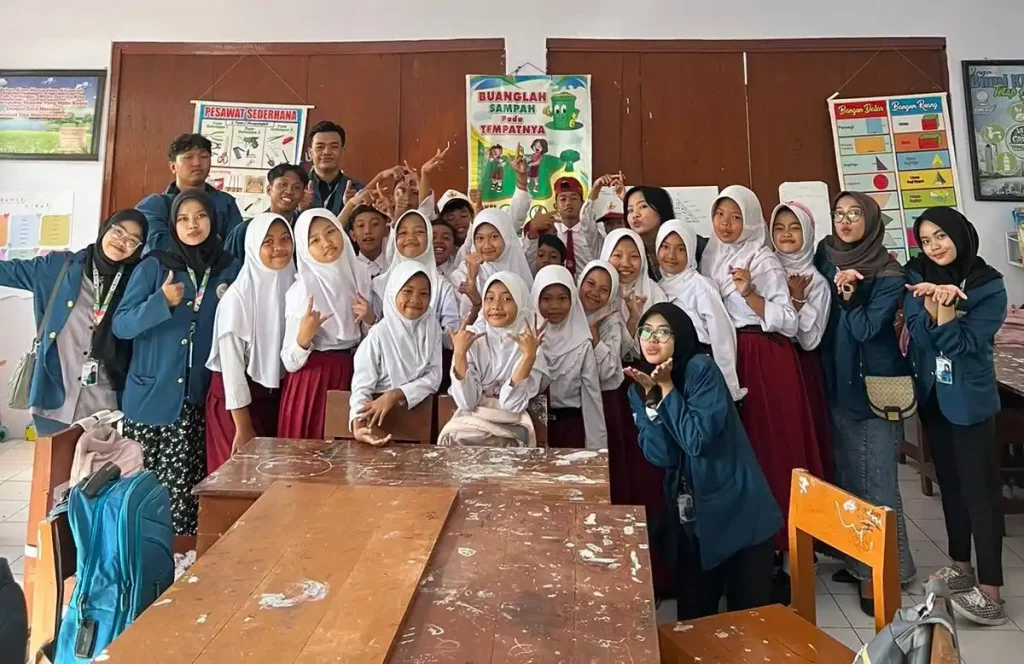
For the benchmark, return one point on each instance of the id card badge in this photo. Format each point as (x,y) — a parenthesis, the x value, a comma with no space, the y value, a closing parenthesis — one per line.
(90,373)
(944,370)
(686,512)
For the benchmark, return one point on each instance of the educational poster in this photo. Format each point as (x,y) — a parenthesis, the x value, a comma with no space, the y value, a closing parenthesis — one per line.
(995,114)
(693,205)
(34,223)
(814,196)
(547,117)
(248,140)
(51,114)
(897,149)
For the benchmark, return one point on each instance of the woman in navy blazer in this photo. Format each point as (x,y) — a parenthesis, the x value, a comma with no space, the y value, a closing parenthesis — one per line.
(720,516)
(954,306)
(80,366)
(168,311)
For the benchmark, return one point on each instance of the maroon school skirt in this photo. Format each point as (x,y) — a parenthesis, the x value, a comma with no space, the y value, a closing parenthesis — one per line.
(776,414)
(304,396)
(814,382)
(566,429)
(220,427)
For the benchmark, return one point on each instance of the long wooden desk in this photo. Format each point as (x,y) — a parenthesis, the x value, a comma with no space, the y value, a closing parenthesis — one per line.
(533,564)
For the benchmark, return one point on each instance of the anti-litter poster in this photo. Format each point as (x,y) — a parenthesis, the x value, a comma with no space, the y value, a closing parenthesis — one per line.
(547,117)
(897,150)
(34,223)
(248,140)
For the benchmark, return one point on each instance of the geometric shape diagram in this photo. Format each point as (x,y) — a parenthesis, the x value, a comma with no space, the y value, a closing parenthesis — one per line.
(931,179)
(886,200)
(922,141)
(926,198)
(868,182)
(913,161)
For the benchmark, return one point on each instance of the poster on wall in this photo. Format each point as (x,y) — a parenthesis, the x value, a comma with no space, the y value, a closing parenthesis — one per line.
(51,114)
(547,118)
(34,223)
(248,140)
(897,150)
(994,91)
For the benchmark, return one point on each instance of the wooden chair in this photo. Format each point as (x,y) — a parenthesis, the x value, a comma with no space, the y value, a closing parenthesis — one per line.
(818,510)
(404,425)
(446,410)
(55,571)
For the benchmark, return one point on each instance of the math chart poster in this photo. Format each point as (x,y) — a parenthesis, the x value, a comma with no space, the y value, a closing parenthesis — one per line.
(34,223)
(897,150)
(248,140)
(548,118)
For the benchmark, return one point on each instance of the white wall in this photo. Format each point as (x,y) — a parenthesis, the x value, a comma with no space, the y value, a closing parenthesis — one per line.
(66,34)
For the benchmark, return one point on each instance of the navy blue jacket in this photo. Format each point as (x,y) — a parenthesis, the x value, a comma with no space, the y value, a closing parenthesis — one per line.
(860,340)
(157,207)
(336,201)
(967,342)
(39,276)
(734,506)
(155,389)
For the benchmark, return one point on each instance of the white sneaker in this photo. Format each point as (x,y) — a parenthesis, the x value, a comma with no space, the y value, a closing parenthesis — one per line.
(976,606)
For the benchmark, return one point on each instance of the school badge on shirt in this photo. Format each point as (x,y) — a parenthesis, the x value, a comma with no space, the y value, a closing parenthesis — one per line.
(221,289)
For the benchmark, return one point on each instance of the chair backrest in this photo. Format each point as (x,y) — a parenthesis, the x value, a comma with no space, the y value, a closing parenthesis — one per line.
(820,511)
(54,571)
(404,425)
(446,410)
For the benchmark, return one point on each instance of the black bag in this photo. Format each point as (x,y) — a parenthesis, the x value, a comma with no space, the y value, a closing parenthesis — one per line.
(13,617)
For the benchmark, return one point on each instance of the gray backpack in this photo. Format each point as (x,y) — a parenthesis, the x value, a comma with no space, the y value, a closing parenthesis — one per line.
(908,638)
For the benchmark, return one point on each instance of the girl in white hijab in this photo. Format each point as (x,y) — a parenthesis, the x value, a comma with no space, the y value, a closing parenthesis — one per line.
(599,295)
(684,286)
(624,250)
(576,415)
(401,357)
(497,368)
(245,356)
(327,311)
(495,248)
(776,412)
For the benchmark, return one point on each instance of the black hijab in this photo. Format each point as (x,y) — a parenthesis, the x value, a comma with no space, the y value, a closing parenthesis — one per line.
(968,267)
(115,353)
(687,344)
(207,254)
(867,255)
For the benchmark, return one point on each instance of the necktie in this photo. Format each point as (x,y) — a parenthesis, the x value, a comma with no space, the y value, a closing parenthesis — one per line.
(570,253)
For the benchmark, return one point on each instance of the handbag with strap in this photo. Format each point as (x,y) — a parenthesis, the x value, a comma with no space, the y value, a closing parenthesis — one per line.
(890,397)
(20,384)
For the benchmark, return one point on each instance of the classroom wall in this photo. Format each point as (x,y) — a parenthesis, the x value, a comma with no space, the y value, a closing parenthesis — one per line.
(68,34)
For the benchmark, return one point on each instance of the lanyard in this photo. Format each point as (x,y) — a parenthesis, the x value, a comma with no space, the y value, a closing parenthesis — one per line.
(99,307)
(200,288)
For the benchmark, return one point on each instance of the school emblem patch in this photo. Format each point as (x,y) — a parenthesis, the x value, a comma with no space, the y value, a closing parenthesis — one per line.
(221,289)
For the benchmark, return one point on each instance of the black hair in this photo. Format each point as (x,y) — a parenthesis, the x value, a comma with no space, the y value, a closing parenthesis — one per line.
(186,142)
(543,143)
(551,240)
(656,197)
(327,127)
(281,169)
(458,204)
(441,222)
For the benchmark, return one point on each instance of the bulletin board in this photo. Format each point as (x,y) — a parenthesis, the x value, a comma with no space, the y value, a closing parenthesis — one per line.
(34,223)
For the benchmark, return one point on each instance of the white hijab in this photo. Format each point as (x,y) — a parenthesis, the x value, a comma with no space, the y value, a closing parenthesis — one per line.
(614,302)
(426,260)
(749,251)
(643,286)
(496,353)
(333,286)
(252,308)
(512,259)
(565,343)
(673,285)
(407,345)
(802,261)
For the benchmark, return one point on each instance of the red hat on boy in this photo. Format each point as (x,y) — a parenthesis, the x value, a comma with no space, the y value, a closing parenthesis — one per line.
(569,185)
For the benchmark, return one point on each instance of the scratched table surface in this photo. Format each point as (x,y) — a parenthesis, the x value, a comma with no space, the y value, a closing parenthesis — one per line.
(1009,362)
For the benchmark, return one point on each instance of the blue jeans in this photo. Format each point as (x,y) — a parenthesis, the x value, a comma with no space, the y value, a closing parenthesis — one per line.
(866,454)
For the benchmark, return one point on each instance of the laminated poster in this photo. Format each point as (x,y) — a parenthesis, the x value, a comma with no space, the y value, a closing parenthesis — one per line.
(815,197)
(33,224)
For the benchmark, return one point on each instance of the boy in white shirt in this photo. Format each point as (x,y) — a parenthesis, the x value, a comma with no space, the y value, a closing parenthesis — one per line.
(575,225)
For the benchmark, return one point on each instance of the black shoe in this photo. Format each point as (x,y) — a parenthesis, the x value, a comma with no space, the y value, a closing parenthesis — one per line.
(780,593)
(867,604)
(844,576)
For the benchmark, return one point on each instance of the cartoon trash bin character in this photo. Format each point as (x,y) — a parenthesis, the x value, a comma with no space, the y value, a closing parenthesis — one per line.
(563,112)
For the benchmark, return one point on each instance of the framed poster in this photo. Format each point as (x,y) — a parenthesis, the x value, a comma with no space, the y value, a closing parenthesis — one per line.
(994,90)
(51,114)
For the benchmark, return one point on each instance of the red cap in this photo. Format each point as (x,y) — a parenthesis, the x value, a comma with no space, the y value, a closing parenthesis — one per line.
(567,184)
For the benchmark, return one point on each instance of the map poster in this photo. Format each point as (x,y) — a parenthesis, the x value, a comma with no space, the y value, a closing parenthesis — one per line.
(51,114)
(248,140)
(897,150)
(34,223)
(994,91)
(547,117)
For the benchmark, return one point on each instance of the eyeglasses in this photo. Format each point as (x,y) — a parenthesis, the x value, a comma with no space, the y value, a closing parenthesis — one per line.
(661,334)
(852,216)
(124,238)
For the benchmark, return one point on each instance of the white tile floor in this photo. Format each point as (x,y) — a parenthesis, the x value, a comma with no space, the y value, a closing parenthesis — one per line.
(839,611)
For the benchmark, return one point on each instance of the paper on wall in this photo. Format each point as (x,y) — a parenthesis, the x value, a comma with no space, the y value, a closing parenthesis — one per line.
(693,205)
(607,201)
(813,196)
(33,223)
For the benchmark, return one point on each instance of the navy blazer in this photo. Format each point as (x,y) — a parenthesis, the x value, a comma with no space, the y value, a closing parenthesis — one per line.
(860,340)
(336,200)
(39,276)
(155,388)
(967,342)
(734,506)
(157,207)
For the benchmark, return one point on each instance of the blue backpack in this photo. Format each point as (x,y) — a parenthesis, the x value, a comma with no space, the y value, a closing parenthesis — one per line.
(123,536)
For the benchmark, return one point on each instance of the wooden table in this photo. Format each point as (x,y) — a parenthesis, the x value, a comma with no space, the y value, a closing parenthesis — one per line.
(769,634)
(533,564)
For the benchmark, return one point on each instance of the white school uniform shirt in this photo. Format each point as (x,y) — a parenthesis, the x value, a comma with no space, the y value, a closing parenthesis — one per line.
(698,297)
(446,268)
(333,287)
(749,252)
(376,266)
(586,239)
(812,319)
(569,352)
(512,258)
(611,329)
(492,358)
(249,328)
(518,209)
(398,353)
